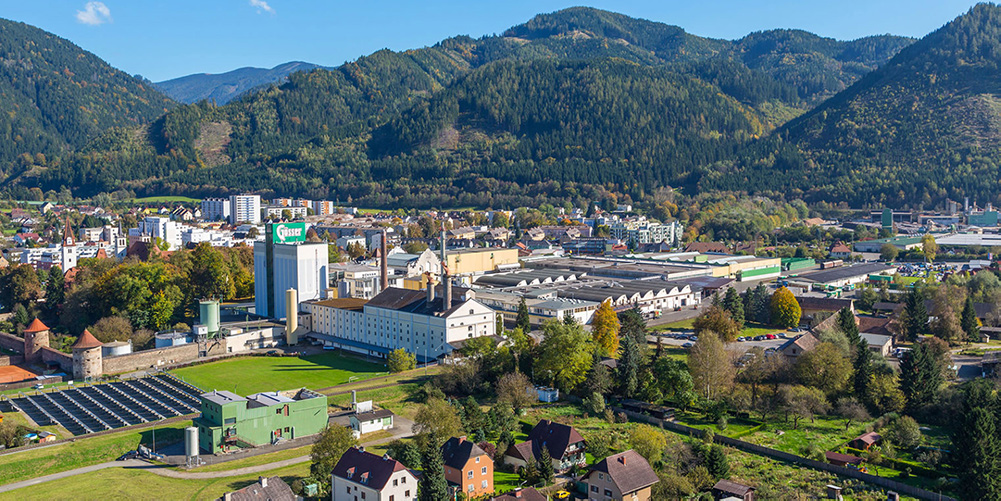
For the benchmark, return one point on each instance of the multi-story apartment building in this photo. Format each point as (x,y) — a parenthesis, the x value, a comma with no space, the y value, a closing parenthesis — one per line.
(215,209)
(245,209)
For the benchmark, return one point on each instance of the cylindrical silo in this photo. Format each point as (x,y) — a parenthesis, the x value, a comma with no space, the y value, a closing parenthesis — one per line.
(209,314)
(291,316)
(191,441)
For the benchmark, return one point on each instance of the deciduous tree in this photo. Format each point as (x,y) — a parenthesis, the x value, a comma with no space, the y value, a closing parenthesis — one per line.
(605,330)
(400,360)
(716,321)
(785,309)
(566,354)
(711,365)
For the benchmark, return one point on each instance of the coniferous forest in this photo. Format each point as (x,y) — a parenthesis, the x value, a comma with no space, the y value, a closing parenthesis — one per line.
(570,106)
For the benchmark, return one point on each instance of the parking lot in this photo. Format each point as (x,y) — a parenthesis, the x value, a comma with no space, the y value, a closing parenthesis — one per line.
(683,338)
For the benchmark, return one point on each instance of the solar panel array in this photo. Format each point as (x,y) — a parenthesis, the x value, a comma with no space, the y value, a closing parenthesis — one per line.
(89,409)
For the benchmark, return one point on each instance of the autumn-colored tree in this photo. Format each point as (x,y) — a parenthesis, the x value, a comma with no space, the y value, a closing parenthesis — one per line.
(785,309)
(929,247)
(718,321)
(711,365)
(605,330)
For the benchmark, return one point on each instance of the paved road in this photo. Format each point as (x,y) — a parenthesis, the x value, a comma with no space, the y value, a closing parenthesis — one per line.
(131,463)
(403,428)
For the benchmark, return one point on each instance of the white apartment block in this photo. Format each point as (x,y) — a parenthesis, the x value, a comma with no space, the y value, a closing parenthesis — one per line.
(215,209)
(278,211)
(159,227)
(245,209)
(643,231)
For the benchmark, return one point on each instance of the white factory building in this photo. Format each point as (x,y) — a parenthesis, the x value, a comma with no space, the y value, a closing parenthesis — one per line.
(415,320)
(286,261)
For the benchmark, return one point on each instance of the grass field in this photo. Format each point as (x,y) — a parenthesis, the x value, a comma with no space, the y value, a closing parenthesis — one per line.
(84,452)
(246,375)
(21,419)
(256,460)
(129,484)
(750,328)
(166,199)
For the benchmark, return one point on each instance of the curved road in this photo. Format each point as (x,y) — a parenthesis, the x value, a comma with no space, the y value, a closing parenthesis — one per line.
(166,471)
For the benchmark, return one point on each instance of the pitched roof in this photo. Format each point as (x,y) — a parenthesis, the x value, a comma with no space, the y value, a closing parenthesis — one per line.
(823,303)
(874,325)
(729,487)
(844,458)
(804,342)
(36,325)
(526,494)
(456,452)
(415,301)
(869,438)
(555,436)
(86,340)
(265,489)
(629,470)
(366,468)
(840,248)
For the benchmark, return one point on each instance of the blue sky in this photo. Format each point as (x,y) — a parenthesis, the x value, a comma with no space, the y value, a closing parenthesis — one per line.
(167,39)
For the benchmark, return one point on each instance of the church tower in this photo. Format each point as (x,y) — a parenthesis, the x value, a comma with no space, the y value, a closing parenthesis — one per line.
(69,250)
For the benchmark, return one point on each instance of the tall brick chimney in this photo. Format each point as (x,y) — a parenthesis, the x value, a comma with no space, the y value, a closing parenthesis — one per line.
(383,265)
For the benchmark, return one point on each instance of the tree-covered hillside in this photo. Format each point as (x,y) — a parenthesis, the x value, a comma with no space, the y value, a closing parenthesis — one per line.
(591,99)
(57,97)
(923,128)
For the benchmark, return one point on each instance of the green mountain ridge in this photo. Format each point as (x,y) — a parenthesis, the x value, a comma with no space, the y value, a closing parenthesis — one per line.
(360,130)
(57,97)
(924,127)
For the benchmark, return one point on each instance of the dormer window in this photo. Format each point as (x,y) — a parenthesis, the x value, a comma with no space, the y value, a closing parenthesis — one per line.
(351,472)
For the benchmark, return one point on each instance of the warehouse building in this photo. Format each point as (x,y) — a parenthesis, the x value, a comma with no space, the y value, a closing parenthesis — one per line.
(229,420)
(847,275)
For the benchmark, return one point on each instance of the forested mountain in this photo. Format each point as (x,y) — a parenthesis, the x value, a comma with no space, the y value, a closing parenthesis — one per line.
(924,127)
(567,106)
(224,87)
(56,97)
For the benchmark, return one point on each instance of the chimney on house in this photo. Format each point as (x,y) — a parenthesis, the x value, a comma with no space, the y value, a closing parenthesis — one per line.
(622,459)
(383,265)
(264,482)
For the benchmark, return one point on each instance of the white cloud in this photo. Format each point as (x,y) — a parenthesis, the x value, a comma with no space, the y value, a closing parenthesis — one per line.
(262,6)
(94,13)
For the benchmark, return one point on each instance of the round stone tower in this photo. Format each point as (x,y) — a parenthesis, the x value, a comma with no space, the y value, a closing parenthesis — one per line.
(36,336)
(87,360)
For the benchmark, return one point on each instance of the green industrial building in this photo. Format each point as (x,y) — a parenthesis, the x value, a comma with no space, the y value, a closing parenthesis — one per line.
(229,420)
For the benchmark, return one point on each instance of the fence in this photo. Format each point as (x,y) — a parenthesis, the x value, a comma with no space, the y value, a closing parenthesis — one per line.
(885,483)
(30,383)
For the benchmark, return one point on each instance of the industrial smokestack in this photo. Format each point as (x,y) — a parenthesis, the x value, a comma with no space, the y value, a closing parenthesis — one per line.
(291,316)
(430,278)
(446,301)
(384,266)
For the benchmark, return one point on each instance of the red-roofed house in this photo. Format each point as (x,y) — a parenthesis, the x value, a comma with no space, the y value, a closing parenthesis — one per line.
(626,475)
(840,251)
(363,475)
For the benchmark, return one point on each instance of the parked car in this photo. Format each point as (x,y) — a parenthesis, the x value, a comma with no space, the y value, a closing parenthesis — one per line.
(687,345)
(39,386)
(795,329)
(272,353)
(771,336)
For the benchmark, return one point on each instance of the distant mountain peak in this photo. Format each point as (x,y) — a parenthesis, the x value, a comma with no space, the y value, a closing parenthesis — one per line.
(224,87)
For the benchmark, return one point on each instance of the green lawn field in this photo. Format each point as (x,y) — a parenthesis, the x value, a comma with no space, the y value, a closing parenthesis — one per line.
(166,199)
(246,375)
(84,452)
(129,484)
